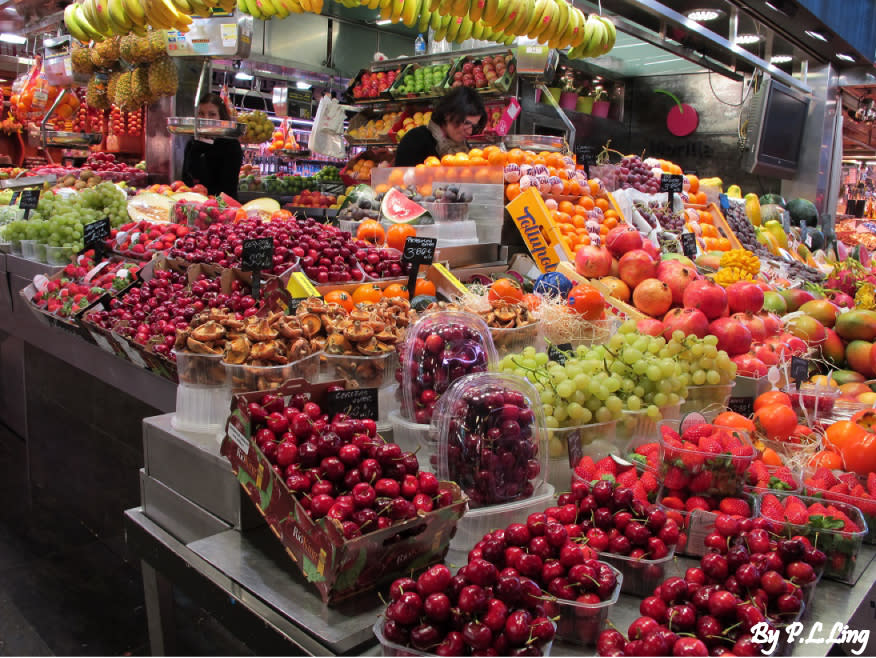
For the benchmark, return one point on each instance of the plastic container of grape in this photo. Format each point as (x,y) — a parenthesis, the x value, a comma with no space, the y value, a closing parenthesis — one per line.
(40,252)
(59,255)
(244,378)
(639,425)
(467,347)
(493,446)
(475,523)
(640,576)
(413,437)
(581,623)
(512,341)
(28,249)
(867,506)
(361,371)
(392,649)
(707,400)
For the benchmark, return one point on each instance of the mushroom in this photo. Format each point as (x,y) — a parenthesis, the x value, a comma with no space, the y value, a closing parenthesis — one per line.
(387,336)
(312,305)
(376,324)
(317,343)
(373,347)
(232,323)
(260,330)
(337,344)
(298,350)
(267,351)
(310,324)
(289,327)
(358,333)
(197,347)
(360,315)
(237,350)
(505,314)
(209,332)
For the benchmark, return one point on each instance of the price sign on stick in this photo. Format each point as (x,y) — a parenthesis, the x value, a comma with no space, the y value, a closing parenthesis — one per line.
(355,403)
(799,369)
(29,200)
(417,251)
(671,183)
(689,245)
(585,157)
(560,352)
(94,236)
(258,255)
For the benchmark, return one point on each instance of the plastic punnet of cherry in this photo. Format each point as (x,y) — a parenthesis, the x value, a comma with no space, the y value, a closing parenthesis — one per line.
(440,348)
(491,438)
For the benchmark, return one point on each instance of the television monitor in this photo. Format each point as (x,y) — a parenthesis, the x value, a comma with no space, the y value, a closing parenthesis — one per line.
(776,125)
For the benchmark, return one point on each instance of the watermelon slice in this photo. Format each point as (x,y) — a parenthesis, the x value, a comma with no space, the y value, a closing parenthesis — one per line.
(399,209)
(229,201)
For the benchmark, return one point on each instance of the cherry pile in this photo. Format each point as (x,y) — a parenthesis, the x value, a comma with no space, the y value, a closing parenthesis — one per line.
(438,351)
(143,239)
(644,485)
(479,611)
(491,442)
(384,263)
(340,468)
(70,292)
(747,579)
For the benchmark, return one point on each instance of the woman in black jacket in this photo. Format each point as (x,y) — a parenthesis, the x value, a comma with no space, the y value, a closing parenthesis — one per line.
(458,116)
(214,163)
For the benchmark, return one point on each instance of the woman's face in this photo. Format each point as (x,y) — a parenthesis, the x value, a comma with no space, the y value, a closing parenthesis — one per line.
(208,111)
(459,132)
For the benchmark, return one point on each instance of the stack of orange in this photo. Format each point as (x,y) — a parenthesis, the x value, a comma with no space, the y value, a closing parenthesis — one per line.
(371,293)
(702,224)
(361,170)
(571,221)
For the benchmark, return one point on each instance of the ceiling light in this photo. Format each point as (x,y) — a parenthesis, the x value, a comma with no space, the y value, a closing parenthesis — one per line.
(746,39)
(385,21)
(8,37)
(303,85)
(704,15)
(241,75)
(816,35)
(780,59)
(845,58)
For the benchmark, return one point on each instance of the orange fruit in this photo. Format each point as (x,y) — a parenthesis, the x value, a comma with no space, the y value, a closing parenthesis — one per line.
(396,290)
(424,287)
(776,421)
(516,156)
(432,161)
(341,297)
(827,459)
(616,288)
(771,458)
(371,231)
(770,398)
(367,293)
(505,290)
(512,191)
(397,234)
(587,301)
(734,420)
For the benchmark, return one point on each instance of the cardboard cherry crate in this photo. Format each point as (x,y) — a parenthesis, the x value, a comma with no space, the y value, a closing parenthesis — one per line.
(339,568)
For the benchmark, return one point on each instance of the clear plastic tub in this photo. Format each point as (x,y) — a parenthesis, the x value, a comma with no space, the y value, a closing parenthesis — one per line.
(59,255)
(413,437)
(200,369)
(867,506)
(447,212)
(796,474)
(475,523)
(201,409)
(491,438)
(17,248)
(28,249)
(581,623)
(639,425)
(559,473)
(361,371)
(841,547)
(814,399)
(696,525)
(40,251)
(512,341)
(640,576)
(244,378)
(706,399)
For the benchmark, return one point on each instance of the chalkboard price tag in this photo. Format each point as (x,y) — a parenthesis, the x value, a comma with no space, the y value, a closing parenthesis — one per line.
(295,302)
(559,353)
(586,157)
(799,369)
(28,201)
(258,254)
(741,405)
(689,245)
(671,183)
(95,232)
(355,403)
(419,251)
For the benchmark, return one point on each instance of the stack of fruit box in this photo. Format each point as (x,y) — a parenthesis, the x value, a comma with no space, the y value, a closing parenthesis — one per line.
(337,567)
(433,91)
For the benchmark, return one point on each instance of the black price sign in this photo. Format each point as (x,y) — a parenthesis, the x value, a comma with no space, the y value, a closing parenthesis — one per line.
(28,201)
(355,403)
(559,353)
(689,245)
(258,254)
(585,157)
(799,369)
(743,406)
(293,303)
(671,183)
(95,232)
(418,251)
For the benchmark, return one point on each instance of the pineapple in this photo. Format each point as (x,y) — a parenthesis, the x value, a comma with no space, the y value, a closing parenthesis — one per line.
(81,60)
(95,93)
(140,86)
(124,96)
(109,50)
(163,79)
(155,45)
(111,85)
(131,48)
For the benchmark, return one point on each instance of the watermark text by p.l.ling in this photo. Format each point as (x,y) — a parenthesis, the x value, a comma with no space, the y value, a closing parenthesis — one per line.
(855,639)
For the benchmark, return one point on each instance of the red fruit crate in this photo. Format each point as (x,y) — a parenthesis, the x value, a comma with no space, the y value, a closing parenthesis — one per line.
(337,567)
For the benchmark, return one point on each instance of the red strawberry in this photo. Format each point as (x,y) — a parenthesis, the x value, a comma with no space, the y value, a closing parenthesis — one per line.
(697,432)
(849,479)
(586,469)
(817,509)
(696,502)
(711,444)
(736,506)
(795,511)
(649,481)
(605,466)
(858,491)
(628,478)
(676,478)
(667,433)
(701,482)
(848,526)
(771,508)
(840,488)
(728,439)
(639,492)
(673,502)
(871,483)
(782,478)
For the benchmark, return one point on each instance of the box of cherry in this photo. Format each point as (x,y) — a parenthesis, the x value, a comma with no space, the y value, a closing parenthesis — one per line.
(440,348)
(334,492)
(751,578)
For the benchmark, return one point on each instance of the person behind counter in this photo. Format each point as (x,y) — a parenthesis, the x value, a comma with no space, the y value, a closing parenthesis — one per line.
(214,163)
(457,116)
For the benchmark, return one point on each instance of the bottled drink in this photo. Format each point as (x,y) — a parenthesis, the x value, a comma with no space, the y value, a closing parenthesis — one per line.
(420,45)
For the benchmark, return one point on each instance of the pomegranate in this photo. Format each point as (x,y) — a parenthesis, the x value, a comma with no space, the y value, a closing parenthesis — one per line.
(592,262)
(636,266)
(744,296)
(707,296)
(733,337)
(690,321)
(623,238)
(771,321)
(615,268)
(766,353)
(753,323)
(749,366)
(678,277)
(649,327)
(653,251)
(653,297)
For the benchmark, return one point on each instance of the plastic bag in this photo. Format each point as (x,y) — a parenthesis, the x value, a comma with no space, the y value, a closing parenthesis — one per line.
(328,127)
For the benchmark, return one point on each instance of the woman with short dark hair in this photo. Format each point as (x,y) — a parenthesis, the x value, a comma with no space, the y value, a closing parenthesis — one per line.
(214,163)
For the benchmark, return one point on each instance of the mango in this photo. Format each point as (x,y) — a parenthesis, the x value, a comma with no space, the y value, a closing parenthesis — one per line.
(833,349)
(856,325)
(847,376)
(858,357)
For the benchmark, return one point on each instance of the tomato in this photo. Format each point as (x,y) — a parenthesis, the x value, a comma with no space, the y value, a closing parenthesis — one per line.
(770,398)
(397,234)
(424,287)
(854,443)
(776,421)
(369,293)
(341,297)
(734,420)
(371,231)
(505,290)
(827,459)
(396,290)
(587,301)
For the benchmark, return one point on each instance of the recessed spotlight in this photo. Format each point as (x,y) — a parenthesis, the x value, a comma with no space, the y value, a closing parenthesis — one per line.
(844,57)
(8,37)
(241,75)
(302,85)
(780,59)
(385,21)
(816,35)
(746,39)
(704,15)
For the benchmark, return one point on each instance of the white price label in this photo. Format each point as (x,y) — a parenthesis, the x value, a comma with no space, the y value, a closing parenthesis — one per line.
(237,436)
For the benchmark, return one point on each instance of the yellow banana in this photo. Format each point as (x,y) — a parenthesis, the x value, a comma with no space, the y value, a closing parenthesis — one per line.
(73,27)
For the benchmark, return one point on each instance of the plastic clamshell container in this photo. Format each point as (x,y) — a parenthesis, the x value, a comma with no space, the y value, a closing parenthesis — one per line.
(581,623)
(362,371)
(59,255)
(512,341)
(467,347)
(640,576)
(697,524)
(475,523)
(812,398)
(17,248)
(447,212)
(841,547)
(491,438)
(412,437)
(639,425)
(594,439)
(200,369)
(28,249)
(40,251)
(727,470)
(244,378)
(707,400)
(392,649)
(795,473)
(867,506)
